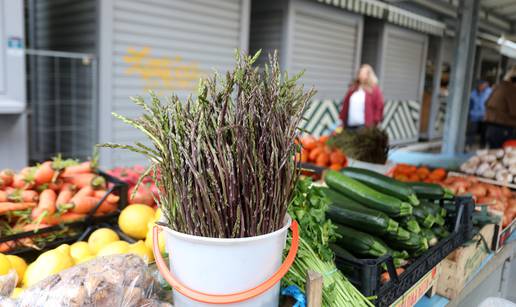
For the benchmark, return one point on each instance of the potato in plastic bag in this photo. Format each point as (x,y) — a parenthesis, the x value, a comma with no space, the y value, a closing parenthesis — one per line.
(117,280)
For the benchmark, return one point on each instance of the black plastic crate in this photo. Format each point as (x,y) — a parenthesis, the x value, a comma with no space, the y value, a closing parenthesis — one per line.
(365,273)
(70,232)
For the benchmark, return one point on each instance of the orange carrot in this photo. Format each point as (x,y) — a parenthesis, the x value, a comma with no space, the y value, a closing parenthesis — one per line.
(67,217)
(68,186)
(10,206)
(82,180)
(336,167)
(309,142)
(56,185)
(86,191)
(26,196)
(64,197)
(6,176)
(107,207)
(83,204)
(47,203)
(3,196)
(32,227)
(7,246)
(9,190)
(111,198)
(324,138)
(385,277)
(314,153)
(44,173)
(82,168)
(19,181)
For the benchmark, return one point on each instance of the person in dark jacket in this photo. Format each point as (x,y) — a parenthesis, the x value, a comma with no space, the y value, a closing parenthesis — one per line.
(363,103)
(501,112)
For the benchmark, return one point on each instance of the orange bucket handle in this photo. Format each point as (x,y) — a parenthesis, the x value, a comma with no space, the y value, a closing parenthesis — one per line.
(226,298)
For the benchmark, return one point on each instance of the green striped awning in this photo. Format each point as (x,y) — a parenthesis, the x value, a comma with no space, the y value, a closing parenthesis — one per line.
(371,8)
(392,14)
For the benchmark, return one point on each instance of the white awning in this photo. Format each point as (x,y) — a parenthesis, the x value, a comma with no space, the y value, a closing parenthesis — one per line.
(392,14)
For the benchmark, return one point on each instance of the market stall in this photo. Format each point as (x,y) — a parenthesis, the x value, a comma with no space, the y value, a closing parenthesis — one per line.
(264,214)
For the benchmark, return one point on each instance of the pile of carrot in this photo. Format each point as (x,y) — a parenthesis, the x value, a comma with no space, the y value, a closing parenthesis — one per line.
(316,150)
(51,193)
(411,173)
(497,198)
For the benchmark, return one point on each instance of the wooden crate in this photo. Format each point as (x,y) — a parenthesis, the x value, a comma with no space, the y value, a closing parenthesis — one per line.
(461,264)
(426,285)
(503,234)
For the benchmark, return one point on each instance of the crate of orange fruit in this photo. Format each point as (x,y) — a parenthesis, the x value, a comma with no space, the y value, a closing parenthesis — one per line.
(316,152)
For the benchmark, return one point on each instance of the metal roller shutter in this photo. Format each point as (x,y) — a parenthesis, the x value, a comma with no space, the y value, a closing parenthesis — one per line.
(404,56)
(266,30)
(172,44)
(326,44)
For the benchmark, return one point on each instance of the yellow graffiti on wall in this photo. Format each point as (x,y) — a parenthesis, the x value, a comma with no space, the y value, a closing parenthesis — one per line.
(162,72)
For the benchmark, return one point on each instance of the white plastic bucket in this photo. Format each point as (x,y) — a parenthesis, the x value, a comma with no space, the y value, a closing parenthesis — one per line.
(225,266)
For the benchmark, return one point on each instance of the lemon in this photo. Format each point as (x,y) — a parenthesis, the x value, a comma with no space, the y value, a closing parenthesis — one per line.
(100,238)
(48,263)
(19,265)
(64,248)
(5,264)
(161,240)
(117,247)
(16,292)
(85,258)
(80,250)
(140,248)
(158,214)
(150,225)
(133,220)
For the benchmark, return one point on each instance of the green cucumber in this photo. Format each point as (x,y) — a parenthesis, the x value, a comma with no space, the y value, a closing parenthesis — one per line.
(435,208)
(342,253)
(413,244)
(360,243)
(398,262)
(436,211)
(375,223)
(439,220)
(440,232)
(346,211)
(400,255)
(427,190)
(365,195)
(382,184)
(424,216)
(401,234)
(410,223)
(430,236)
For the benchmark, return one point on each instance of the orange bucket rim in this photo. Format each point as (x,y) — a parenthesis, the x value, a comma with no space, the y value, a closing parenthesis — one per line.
(225,298)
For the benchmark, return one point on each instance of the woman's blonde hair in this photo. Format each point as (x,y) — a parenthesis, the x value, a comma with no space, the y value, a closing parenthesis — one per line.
(372,79)
(510,74)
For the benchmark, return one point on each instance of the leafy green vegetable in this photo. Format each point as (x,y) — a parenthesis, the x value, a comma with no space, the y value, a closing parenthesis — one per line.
(308,209)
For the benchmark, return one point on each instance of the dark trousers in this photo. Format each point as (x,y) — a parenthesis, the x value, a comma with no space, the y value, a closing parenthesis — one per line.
(474,130)
(496,134)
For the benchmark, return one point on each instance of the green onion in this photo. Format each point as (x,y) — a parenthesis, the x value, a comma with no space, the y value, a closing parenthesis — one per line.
(337,290)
